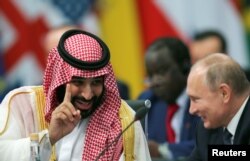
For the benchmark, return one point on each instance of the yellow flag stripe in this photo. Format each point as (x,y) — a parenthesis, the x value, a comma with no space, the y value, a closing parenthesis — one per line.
(120,29)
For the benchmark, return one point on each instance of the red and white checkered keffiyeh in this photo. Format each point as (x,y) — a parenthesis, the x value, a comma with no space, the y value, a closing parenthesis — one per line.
(104,125)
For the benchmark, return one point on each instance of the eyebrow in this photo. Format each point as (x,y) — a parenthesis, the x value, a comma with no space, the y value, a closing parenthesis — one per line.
(82,78)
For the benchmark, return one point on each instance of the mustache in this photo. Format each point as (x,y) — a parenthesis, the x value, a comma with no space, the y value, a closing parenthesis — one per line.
(96,103)
(80,98)
(156,84)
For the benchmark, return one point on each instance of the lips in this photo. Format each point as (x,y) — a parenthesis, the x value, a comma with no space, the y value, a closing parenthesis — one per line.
(203,118)
(156,84)
(83,105)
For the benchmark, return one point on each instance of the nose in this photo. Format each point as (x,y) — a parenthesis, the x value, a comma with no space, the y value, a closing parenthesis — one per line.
(154,80)
(87,92)
(192,109)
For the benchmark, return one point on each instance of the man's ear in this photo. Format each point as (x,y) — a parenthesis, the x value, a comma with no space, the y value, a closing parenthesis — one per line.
(225,92)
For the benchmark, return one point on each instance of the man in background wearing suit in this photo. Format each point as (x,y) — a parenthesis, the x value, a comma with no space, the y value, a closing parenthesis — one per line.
(219,94)
(207,42)
(171,129)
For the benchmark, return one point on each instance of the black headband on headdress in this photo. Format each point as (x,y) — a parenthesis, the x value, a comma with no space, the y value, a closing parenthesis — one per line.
(79,63)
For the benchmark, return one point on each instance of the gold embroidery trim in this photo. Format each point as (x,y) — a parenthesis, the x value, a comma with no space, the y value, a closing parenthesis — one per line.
(126,118)
(40,106)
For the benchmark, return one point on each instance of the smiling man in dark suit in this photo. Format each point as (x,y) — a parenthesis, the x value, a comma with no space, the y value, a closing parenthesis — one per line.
(219,94)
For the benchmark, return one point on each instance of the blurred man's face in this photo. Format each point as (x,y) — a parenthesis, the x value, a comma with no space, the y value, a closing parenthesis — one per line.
(164,76)
(202,48)
(53,36)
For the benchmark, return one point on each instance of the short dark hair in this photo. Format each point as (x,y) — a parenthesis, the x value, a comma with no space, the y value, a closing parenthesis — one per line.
(212,33)
(178,50)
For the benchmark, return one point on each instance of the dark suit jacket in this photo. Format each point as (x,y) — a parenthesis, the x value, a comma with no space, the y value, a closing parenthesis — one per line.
(157,127)
(123,90)
(205,137)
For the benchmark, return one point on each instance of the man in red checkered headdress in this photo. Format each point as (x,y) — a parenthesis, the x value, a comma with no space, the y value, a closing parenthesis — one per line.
(77,113)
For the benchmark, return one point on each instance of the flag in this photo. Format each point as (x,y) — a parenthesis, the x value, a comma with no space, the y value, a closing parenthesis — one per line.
(120,30)
(245,10)
(23,26)
(129,26)
(2,82)
(185,18)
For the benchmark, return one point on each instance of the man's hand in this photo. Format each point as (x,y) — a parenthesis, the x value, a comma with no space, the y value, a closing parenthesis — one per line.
(153,149)
(64,118)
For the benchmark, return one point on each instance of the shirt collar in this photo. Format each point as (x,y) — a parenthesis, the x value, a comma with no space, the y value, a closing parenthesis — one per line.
(234,122)
(182,99)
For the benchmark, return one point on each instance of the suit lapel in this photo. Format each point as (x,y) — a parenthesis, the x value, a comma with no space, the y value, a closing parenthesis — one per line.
(216,136)
(242,135)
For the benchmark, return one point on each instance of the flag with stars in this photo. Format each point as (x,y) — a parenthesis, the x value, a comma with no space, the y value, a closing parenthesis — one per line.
(23,26)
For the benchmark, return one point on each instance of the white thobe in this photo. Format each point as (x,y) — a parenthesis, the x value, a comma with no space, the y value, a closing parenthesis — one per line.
(18,120)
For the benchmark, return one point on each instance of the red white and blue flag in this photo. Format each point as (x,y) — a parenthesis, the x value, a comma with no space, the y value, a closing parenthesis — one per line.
(139,22)
(23,25)
(127,26)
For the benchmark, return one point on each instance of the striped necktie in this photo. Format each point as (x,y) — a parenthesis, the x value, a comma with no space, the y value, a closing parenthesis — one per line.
(171,109)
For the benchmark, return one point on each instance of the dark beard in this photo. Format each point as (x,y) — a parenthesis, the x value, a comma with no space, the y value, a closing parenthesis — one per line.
(97,101)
